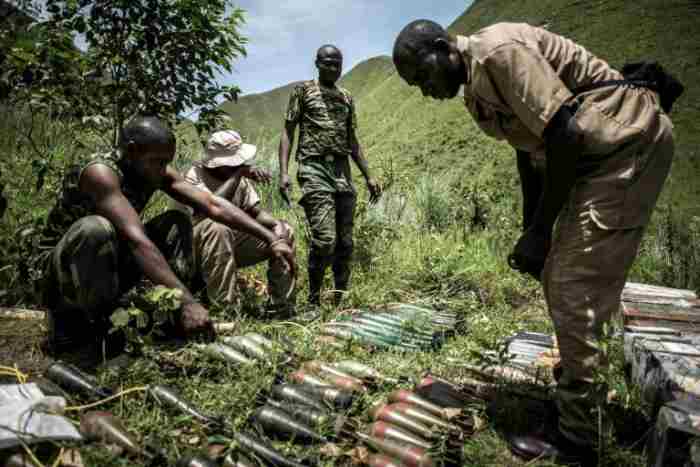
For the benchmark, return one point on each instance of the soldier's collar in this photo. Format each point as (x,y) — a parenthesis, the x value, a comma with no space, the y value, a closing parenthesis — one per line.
(463,48)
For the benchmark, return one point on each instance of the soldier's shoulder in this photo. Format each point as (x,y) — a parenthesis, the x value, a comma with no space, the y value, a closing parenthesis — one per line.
(486,40)
(345,92)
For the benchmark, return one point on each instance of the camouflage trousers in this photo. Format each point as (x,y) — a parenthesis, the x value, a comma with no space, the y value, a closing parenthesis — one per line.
(331,219)
(220,251)
(586,270)
(91,266)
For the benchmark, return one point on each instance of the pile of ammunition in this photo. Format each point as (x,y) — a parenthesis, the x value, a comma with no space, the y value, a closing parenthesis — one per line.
(400,327)
(247,349)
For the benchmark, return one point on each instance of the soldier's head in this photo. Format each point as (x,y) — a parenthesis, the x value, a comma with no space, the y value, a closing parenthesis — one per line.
(426,56)
(329,61)
(148,146)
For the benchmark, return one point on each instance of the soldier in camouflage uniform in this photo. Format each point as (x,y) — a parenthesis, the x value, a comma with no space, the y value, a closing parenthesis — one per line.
(94,245)
(325,114)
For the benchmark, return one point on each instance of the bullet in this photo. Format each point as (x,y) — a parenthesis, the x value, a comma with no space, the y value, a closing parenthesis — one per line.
(381,413)
(195,461)
(277,423)
(360,370)
(402,395)
(411,456)
(248,346)
(226,353)
(255,448)
(297,394)
(73,380)
(105,427)
(170,398)
(387,431)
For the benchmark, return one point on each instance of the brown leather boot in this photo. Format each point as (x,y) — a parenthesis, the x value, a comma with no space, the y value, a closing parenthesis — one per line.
(552,445)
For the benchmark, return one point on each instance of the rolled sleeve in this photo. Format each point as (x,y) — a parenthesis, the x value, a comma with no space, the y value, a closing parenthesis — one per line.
(528,84)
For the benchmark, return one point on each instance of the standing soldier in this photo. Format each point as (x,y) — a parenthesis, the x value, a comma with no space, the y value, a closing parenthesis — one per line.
(589,141)
(326,117)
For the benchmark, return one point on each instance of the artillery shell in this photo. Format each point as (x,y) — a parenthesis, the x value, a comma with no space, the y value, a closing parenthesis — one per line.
(297,393)
(416,413)
(383,430)
(262,341)
(310,415)
(226,353)
(72,379)
(255,448)
(380,460)
(170,398)
(301,377)
(409,455)
(195,461)
(105,427)
(248,346)
(337,397)
(315,366)
(363,371)
(382,413)
(349,384)
(402,395)
(277,423)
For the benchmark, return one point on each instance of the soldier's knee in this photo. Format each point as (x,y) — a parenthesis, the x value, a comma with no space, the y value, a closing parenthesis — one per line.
(344,246)
(325,246)
(94,230)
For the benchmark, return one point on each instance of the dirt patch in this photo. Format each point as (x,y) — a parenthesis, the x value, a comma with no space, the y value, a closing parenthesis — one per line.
(22,342)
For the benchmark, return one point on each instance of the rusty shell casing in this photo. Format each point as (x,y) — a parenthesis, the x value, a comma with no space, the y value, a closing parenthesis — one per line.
(105,427)
(298,394)
(172,399)
(237,460)
(408,397)
(248,346)
(422,416)
(255,448)
(381,460)
(360,370)
(410,455)
(383,413)
(73,380)
(226,353)
(387,431)
(195,461)
(279,424)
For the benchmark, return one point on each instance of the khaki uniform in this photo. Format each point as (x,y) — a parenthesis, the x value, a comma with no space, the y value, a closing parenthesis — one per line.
(519,76)
(326,119)
(219,250)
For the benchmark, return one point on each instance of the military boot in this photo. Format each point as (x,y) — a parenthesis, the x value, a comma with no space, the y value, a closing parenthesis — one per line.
(341,276)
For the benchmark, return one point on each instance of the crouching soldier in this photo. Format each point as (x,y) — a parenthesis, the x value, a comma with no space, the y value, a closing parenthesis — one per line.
(95,247)
(221,250)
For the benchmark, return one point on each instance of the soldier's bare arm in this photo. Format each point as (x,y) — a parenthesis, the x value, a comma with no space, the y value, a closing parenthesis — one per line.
(286,143)
(102,184)
(221,210)
(375,190)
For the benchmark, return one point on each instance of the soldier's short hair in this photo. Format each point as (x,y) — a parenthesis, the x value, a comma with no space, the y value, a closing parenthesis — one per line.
(416,37)
(328,49)
(146,130)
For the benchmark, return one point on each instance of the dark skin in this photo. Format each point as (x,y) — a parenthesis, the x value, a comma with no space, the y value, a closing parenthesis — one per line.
(329,62)
(150,165)
(439,72)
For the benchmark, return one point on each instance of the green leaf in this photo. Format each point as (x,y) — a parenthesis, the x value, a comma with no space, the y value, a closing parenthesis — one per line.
(120,318)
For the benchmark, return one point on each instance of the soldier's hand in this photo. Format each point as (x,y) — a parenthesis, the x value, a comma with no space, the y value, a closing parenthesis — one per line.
(530,252)
(375,190)
(257,174)
(285,183)
(284,230)
(195,320)
(281,250)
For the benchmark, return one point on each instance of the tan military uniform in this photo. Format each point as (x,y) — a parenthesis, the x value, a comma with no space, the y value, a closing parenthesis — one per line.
(219,250)
(519,76)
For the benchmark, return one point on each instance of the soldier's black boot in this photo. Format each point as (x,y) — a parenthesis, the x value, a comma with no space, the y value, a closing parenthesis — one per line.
(65,328)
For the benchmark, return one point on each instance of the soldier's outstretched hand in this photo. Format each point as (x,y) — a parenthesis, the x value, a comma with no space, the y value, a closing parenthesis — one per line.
(375,190)
(257,174)
(281,249)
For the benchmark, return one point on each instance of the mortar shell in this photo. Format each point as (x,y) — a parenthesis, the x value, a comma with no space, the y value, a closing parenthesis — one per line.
(298,394)
(195,461)
(409,455)
(262,341)
(226,353)
(312,416)
(381,460)
(360,370)
(301,377)
(255,448)
(320,368)
(402,395)
(382,413)
(170,398)
(383,430)
(339,398)
(237,460)
(105,427)
(422,416)
(248,347)
(278,423)
(73,380)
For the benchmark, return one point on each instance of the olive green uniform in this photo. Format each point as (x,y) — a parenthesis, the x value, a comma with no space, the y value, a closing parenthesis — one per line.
(518,77)
(326,119)
(85,264)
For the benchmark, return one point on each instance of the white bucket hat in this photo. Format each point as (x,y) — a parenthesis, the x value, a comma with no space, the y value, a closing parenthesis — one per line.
(226,148)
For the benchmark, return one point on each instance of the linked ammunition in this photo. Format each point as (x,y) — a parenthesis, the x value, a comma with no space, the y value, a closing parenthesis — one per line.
(387,431)
(409,455)
(278,424)
(170,398)
(72,379)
